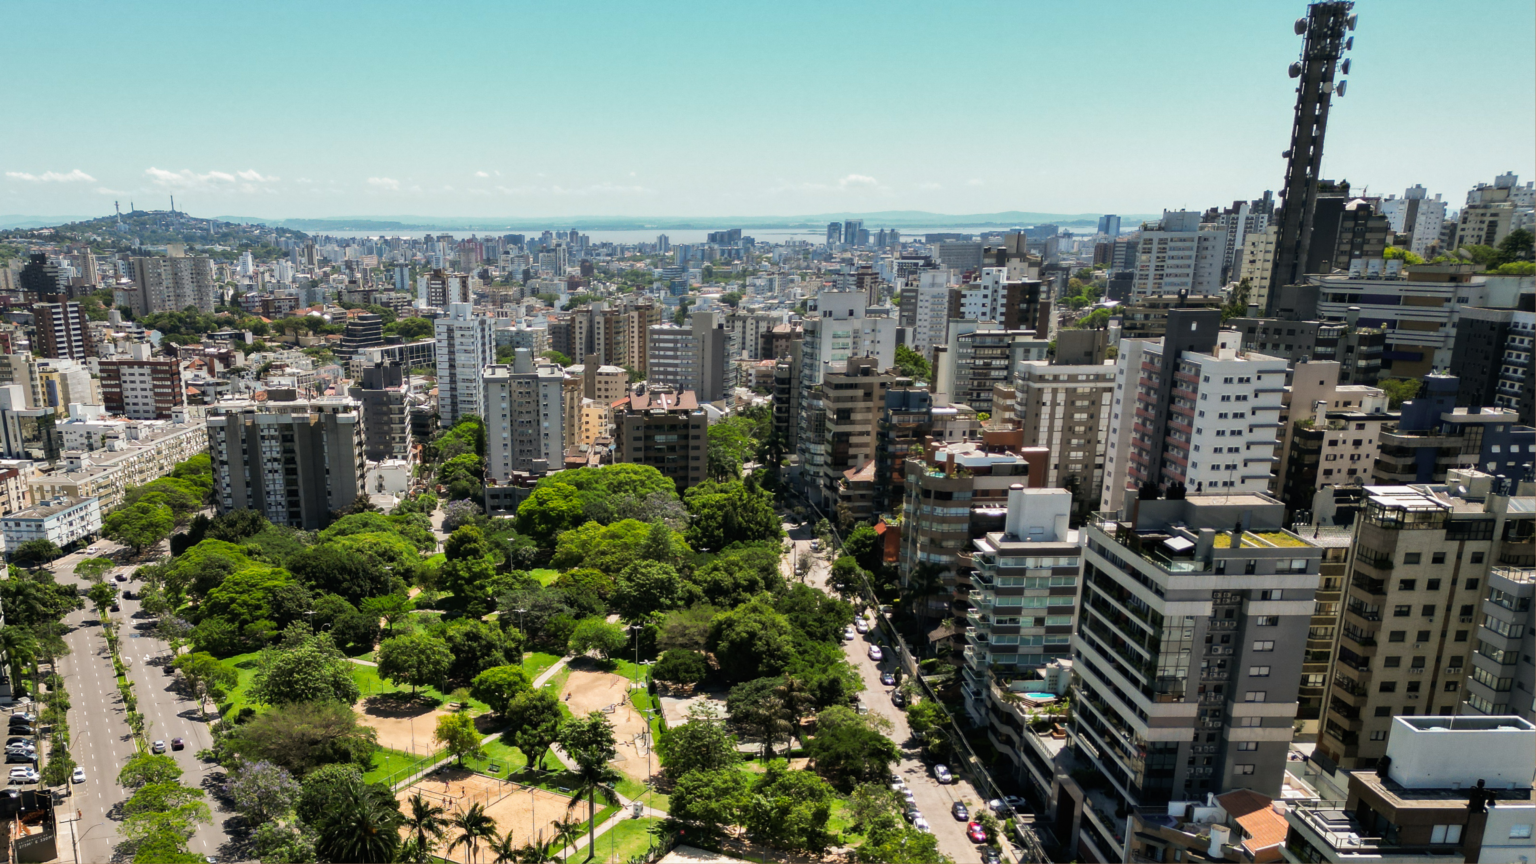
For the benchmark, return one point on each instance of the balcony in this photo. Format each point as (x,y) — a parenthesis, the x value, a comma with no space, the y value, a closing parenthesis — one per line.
(1335,827)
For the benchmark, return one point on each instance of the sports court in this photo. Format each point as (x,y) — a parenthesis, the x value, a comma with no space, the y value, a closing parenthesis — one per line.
(521,809)
(586,692)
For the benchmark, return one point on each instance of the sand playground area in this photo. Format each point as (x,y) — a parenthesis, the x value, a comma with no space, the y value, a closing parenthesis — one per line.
(396,719)
(523,810)
(586,692)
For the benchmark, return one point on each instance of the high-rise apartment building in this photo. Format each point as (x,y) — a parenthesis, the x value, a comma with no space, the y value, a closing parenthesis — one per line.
(1066,409)
(361,331)
(466,344)
(1416,220)
(383,392)
(690,358)
(1193,409)
(63,331)
(1502,664)
(839,419)
(934,302)
(834,233)
(441,289)
(1421,559)
(840,325)
(296,463)
(1146,317)
(170,285)
(1109,226)
(524,417)
(665,430)
(142,387)
(960,256)
(980,356)
(1185,678)
(1492,358)
(1356,349)
(1015,304)
(1180,254)
(1329,433)
(1256,263)
(21,370)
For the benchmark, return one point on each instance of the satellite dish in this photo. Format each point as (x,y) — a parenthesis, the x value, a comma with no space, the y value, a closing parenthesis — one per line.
(1349,43)
(1345,66)
(1295,70)
(1350,21)
(1301,26)
(1340,91)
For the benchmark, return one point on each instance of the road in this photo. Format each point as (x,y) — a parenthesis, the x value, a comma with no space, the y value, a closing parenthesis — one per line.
(102,744)
(933,799)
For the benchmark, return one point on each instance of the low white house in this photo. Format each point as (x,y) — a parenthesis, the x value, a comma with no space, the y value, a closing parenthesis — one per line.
(63,520)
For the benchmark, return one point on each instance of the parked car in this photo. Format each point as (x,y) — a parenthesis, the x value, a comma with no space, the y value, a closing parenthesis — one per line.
(815,545)
(941,774)
(849,635)
(977,833)
(990,855)
(90,550)
(24,717)
(960,811)
(78,776)
(158,747)
(888,678)
(23,775)
(874,653)
(921,824)
(17,739)
(861,625)
(121,577)
(21,748)
(1007,805)
(115,608)
(898,698)
(178,744)
(859,707)
(127,594)
(23,758)
(22,730)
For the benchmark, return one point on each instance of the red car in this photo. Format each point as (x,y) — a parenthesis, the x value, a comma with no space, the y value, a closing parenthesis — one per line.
(178,744)
(976,832)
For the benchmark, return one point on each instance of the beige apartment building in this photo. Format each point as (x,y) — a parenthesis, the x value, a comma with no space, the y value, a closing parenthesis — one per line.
(142,452)
(1421,558)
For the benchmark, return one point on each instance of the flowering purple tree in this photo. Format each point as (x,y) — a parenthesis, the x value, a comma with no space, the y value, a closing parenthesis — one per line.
(262,791)
(457,514)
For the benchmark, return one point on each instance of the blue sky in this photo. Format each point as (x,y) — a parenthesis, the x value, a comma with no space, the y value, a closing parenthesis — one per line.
(286,109)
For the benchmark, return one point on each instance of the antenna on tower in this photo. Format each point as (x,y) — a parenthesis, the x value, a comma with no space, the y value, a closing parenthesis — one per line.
(173,205)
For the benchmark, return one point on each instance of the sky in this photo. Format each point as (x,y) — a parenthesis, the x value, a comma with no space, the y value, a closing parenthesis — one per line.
(285,109)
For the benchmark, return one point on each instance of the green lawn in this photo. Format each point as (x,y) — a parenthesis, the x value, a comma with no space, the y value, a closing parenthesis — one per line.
(545,575)
(386,762)
(627,839)
(245,666)
(579,813)
(536,662)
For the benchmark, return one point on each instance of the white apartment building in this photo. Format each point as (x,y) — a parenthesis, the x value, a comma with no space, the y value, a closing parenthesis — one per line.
(931,328)
(1418,215)
(1212,424)
(524,417)
(62,520)
(1178,253)
(839,325)
(466,344)
(122,454)
(1315,387)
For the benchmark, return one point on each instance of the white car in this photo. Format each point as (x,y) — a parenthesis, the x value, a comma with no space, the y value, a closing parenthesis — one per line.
(158,747)
(815,545)
(922,825)
(907,795)
(20,776)
(78,776)
(941,774)
(849,635)
(861,625)
(874,653)
(90,550)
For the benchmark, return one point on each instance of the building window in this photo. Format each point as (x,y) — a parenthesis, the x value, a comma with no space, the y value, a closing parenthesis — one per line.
(1411,557)
(1445,834)
(1402,611)
(1379,735)
(1437,558)
(1247,745)
(1267,620)
(1407,584)
(1264,645)
(1243,769)
(1258,671)
(1383,710)
(1387,687)
(1255,695)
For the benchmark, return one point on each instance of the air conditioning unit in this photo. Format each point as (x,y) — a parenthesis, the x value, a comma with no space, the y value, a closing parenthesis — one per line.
(1418,644)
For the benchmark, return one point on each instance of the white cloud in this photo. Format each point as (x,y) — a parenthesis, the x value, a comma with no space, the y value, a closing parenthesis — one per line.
(75,176)
(481,174)
(576,191)
(384,183)
(852,183)
(248,181)
(858,181)
(929,187)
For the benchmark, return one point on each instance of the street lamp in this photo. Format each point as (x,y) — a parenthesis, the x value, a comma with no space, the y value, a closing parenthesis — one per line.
(520,621)
(74,843)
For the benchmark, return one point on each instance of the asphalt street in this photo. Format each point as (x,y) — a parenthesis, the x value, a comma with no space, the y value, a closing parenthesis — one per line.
(933,798)
(102,743)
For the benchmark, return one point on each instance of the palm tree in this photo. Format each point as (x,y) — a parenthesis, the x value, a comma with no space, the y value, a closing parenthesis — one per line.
(505,850)
(20,647)
(425,823)
(566,832)
(363,828)
(472,826)
(594,779)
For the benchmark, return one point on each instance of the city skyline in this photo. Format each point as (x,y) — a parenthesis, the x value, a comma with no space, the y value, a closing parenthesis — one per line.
(648,113)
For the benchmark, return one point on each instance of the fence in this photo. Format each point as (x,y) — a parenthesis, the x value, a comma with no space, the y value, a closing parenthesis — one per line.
(402,777)
(967,761)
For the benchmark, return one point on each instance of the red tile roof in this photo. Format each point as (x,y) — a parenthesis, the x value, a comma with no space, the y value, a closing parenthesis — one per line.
(1262,826)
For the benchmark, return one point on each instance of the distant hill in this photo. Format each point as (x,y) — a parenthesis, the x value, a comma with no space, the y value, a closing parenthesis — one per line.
(159,227)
